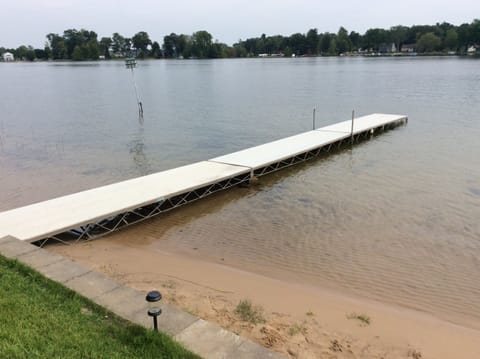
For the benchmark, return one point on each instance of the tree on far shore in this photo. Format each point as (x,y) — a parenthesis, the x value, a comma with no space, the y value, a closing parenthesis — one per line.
(140,42)
(105,44)
(451,40)
(428,42)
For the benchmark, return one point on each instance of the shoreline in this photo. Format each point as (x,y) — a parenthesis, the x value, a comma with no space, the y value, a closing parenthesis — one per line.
(302,321)
(305,280)
(363,55)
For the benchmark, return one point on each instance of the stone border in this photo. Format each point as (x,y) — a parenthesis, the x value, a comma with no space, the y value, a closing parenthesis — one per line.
(197,335)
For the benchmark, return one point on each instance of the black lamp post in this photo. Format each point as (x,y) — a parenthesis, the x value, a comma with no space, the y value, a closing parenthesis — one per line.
(154,311)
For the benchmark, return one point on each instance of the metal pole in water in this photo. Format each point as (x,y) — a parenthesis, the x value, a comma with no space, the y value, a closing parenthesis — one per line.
(314,117)
(130,63)
(140,106)
(351,133)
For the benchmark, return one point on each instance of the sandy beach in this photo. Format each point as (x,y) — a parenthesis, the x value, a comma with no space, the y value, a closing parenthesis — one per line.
(300,321)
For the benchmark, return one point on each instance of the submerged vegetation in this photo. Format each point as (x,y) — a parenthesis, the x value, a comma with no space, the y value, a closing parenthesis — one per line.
(77,45)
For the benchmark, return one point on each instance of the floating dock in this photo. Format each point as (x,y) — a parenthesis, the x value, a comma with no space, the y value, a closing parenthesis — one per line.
(99,211)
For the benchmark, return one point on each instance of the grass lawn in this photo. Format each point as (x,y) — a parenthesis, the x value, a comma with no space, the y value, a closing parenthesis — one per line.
(40,318)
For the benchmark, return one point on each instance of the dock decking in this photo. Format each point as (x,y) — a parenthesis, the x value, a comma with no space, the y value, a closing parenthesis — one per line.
(92,213)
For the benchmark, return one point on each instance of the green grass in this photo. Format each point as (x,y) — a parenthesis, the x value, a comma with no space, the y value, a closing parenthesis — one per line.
(40,318)
(249,313)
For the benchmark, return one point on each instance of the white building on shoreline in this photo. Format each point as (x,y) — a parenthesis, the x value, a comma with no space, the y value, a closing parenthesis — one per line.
(8,56)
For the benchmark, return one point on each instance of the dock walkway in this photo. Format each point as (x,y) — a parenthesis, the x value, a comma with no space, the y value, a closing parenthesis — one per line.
(95,212)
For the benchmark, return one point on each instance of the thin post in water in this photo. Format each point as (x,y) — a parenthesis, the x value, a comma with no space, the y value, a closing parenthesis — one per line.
(130,63)
(314,117)
(351,133)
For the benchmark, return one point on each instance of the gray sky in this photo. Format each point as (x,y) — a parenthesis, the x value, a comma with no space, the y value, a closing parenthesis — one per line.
(26,22)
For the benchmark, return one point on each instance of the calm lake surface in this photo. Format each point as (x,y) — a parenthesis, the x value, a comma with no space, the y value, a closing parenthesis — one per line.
(395,218)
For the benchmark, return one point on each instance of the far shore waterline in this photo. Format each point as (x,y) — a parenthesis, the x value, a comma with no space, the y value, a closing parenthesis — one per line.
(368,56)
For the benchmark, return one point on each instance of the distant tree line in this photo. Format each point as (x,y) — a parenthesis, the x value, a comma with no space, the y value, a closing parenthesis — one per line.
(439,38)
(78,45)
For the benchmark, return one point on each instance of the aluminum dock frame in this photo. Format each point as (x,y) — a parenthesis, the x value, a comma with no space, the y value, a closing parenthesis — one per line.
(96,212)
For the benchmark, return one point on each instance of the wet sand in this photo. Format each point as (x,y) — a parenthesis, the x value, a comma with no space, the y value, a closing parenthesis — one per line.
(301,321)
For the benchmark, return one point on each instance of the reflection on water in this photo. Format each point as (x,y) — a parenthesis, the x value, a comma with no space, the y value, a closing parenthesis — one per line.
(140,160)
(394,218)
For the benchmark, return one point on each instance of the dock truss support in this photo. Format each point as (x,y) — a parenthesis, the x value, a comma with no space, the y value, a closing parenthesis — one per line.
(333,146)
(108,225)
(122,220)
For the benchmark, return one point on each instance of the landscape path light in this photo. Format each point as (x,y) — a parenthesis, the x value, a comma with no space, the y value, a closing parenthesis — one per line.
(154,310)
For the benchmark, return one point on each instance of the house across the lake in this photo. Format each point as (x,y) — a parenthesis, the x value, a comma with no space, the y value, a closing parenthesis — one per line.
(387,48)
(8,56)
(408,48)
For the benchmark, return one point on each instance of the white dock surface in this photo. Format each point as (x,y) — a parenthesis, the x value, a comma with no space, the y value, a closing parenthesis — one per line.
(364,123)
(263,155)
(272,152)
(44,219)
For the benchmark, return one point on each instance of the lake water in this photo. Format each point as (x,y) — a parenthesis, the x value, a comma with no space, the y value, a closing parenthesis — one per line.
(396,218)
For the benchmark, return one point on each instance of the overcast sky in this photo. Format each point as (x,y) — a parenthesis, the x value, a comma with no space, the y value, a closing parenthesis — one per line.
(28,21)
